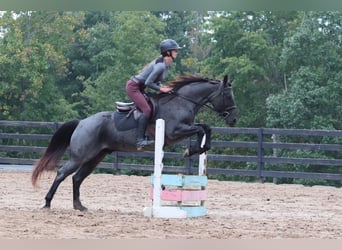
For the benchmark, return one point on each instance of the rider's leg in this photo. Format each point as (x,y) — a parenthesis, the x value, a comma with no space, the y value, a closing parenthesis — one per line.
(138,98)
(142,141)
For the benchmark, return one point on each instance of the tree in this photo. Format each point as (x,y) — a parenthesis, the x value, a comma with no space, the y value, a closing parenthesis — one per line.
(312,62)
(31,62)
(242,47)
(119,49)
(189,29)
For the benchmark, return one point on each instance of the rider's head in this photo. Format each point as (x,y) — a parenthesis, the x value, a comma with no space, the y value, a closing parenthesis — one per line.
(169,47)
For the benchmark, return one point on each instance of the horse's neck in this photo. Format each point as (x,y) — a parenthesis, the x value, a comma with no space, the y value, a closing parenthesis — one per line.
(199,92)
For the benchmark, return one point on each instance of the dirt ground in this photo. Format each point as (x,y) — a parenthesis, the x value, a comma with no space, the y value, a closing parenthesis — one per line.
(234,211)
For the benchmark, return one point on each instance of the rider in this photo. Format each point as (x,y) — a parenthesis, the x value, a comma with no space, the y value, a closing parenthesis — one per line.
(151,76)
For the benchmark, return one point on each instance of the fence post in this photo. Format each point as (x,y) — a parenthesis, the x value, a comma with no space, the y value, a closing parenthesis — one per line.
(260,167)
(115,156)
(56,125)
(189,161)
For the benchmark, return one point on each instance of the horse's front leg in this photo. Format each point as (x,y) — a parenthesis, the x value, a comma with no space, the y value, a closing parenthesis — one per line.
(196,147)
(207,132)
(196,129)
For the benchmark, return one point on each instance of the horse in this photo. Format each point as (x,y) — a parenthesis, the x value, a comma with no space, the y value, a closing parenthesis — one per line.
(89,140)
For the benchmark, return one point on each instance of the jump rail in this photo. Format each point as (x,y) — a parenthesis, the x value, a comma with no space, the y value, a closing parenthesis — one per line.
(187,200)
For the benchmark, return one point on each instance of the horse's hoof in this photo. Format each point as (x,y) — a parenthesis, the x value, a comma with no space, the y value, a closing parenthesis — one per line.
(81,208)
(186,153)
(46,207)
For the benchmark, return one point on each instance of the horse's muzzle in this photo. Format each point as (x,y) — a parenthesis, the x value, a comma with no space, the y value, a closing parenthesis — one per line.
(230,117)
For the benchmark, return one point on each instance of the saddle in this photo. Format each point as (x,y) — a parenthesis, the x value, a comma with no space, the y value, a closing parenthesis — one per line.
(126,115)
(128,108)
(125,106)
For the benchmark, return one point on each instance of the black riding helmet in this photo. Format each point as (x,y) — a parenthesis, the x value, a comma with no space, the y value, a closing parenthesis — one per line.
(167,45)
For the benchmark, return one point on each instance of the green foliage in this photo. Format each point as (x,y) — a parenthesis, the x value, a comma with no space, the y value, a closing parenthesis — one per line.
(245,45)
(121,47)
(31,61)
(312,60)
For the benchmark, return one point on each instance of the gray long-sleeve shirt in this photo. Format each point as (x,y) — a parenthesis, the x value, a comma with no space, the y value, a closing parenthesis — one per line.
(153,74)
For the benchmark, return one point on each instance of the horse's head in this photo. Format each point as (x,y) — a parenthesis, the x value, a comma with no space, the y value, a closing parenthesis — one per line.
(218,93)
(224,103)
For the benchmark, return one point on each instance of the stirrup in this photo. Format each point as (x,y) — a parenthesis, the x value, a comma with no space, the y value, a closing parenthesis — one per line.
(143,143)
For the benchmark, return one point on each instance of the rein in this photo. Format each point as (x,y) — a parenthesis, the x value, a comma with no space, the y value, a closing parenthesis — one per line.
(225,113)
(190,100)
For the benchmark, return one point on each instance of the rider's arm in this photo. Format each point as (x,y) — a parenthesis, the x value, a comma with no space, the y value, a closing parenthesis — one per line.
(156,75)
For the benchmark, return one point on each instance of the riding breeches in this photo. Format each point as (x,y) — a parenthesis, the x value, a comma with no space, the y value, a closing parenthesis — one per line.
(136,95)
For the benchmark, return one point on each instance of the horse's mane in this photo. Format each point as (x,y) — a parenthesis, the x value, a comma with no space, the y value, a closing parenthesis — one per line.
(182,80)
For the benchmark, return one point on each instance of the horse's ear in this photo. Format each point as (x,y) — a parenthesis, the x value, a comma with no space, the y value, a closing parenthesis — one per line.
(225,79)
(231,79)
(228,81)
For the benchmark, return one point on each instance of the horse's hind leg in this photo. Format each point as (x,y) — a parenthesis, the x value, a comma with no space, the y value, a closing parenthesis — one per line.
(67,169)
(79,177)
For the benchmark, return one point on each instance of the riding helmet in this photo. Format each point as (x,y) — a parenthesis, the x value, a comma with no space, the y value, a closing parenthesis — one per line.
(168,44)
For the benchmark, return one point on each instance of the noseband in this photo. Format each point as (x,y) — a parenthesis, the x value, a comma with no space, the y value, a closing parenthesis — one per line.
(227,112)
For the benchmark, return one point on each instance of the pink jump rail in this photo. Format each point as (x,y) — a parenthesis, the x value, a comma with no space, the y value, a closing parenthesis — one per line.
(182,195)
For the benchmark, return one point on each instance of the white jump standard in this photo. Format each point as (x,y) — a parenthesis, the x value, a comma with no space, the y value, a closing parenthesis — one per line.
(185,195)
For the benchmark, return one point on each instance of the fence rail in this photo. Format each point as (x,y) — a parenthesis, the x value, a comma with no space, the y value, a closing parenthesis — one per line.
(260,154)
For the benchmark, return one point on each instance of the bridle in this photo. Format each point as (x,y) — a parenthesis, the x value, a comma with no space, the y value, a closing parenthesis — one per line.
(224,113)
(228,110)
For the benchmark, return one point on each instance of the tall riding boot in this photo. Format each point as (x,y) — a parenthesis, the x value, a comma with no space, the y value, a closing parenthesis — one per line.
(141,140)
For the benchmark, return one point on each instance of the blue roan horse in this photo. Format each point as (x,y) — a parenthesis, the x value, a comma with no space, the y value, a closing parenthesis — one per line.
(92,138)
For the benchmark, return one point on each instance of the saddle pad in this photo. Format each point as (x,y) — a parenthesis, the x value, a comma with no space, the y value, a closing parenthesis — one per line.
(122,122)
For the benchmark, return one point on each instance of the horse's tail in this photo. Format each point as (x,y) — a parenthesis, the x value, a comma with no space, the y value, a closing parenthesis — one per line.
(55,150)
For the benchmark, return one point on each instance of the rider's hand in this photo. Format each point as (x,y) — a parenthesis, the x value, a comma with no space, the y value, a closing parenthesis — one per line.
(165,89)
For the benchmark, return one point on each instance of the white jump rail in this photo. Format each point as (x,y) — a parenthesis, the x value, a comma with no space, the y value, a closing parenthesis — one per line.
(158,210)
